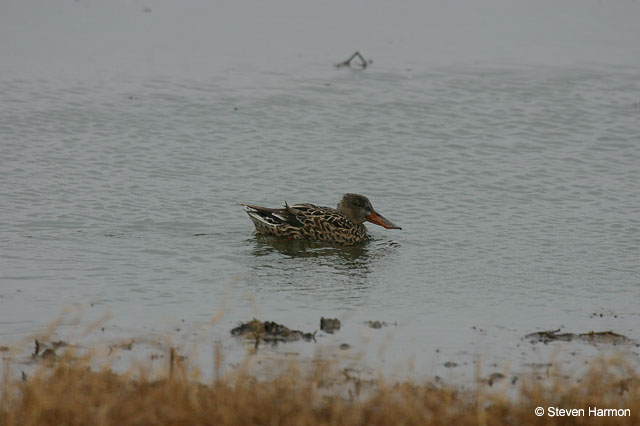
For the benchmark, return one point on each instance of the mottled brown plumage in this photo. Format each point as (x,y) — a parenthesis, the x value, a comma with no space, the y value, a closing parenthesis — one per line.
(343,225)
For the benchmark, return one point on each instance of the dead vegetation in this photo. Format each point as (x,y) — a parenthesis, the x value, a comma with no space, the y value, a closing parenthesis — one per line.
(66,391)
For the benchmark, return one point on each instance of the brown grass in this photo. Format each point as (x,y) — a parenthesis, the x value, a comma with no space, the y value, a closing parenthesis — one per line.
(65,391)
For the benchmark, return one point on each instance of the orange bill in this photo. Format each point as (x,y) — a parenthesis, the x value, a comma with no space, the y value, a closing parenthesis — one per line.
(381,220)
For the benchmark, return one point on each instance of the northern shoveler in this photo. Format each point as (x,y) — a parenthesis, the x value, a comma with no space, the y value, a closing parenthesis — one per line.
(343,225)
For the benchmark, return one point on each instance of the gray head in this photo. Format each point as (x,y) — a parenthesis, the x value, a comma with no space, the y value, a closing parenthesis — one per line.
(358,208)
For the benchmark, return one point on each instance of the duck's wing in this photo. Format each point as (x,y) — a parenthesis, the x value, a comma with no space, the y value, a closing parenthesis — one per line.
(276,217)
(316,216)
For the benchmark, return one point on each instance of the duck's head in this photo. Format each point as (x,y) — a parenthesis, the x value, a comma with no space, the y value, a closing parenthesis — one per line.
(358,208)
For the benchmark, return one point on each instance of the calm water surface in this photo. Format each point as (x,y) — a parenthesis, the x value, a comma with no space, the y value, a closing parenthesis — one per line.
(517,187)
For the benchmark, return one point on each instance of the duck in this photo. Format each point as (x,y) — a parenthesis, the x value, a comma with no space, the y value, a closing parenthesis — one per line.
(343,225)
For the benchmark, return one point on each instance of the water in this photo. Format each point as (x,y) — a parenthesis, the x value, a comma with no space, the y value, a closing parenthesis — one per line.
(516,183)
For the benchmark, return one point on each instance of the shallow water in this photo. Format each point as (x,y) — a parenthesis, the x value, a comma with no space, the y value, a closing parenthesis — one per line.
(516,184)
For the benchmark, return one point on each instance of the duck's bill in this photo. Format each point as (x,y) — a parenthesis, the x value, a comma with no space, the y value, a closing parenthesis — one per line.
(381,220)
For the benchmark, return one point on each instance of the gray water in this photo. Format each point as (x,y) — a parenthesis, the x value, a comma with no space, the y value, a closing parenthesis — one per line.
(515,179)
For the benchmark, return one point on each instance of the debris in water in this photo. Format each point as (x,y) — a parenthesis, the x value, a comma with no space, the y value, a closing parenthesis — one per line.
(376,324)
(363,62)
(590,337)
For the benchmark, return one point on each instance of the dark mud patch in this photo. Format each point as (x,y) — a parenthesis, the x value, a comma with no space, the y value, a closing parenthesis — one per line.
(47,350)
(377,324)
(270,332)
(42,347)
(329,325)
(594,337)
(495,377)
(127,346)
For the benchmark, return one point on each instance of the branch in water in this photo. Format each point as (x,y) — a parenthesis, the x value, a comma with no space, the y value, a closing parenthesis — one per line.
(363,62)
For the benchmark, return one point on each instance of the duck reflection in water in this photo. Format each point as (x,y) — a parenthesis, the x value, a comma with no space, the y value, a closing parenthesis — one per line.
(317,271)
(268,244)
(321,257)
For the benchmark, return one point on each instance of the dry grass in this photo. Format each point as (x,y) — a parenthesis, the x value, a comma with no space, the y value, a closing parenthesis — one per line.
(65,391)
